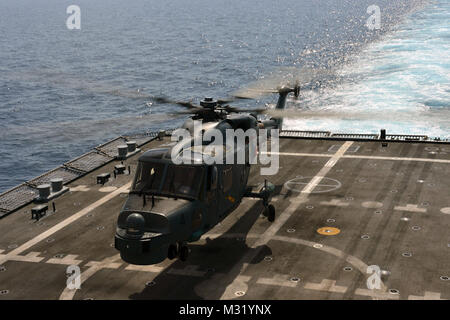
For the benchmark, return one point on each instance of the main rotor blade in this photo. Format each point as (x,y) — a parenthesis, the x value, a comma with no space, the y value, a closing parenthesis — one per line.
(252,93)
(186,104)
(226,100)
(190,111)
(238,110)
(290,77)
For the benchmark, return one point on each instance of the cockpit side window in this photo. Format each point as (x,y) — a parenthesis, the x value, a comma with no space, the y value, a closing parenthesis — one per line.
(138,184)
(148,176)
(168,179)
(182,180)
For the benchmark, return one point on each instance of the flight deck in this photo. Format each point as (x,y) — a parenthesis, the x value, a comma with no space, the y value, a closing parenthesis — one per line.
(345,205)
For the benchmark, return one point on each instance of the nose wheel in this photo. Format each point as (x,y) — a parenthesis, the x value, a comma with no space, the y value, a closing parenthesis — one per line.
(270,213)
(180,250)
(184,252)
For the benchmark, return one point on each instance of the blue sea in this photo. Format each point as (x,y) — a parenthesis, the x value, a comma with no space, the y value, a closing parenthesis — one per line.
(64,91)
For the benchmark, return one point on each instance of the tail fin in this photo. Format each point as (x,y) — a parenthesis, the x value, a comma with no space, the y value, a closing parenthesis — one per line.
(281,103)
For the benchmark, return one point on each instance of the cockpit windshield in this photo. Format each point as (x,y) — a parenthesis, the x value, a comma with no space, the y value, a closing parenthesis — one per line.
(168,179)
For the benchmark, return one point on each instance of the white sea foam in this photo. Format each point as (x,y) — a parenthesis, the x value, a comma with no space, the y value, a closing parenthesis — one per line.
(408,72)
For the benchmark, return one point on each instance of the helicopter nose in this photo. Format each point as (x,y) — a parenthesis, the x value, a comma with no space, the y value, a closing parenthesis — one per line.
(135,224)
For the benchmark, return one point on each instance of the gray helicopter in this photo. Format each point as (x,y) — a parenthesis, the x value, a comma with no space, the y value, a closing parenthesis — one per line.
(171,204)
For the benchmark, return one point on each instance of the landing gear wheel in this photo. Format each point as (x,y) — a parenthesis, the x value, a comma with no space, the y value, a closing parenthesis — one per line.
(173,251)
(184,253)
(270,210)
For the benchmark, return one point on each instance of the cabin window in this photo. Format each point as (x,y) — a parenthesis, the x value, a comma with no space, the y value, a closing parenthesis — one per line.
(183,181)
(227,178)
(212,178)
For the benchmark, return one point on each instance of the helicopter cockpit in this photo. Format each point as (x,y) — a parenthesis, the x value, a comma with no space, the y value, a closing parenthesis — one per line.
(167,179)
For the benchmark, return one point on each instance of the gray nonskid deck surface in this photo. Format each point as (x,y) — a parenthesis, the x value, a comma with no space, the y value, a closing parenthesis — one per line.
(390,207)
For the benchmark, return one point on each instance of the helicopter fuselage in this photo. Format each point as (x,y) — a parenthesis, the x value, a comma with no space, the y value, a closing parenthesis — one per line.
(171,204)
(178,205)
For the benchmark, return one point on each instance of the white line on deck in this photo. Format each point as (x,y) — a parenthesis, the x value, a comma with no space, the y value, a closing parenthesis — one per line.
(94,266)
(326,285)
(30,257)
(428,295)
(80,188)
(300,154)
(281,280)
(279,222)
(335,203)
(70,259)
(330,163)
(149,268)
(63,224)
(397,158)
(244,278)
(411,208)
(347,156)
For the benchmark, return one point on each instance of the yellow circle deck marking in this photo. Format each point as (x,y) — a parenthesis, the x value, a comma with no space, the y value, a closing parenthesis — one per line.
(328,231)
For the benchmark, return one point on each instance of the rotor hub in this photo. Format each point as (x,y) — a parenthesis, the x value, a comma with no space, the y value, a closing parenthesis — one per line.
(208,103)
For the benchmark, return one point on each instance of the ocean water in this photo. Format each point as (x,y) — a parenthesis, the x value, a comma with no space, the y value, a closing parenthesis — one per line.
(63,91)
(404,78)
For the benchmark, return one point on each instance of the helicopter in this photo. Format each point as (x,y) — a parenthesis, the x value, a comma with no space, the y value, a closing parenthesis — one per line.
(170,204)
